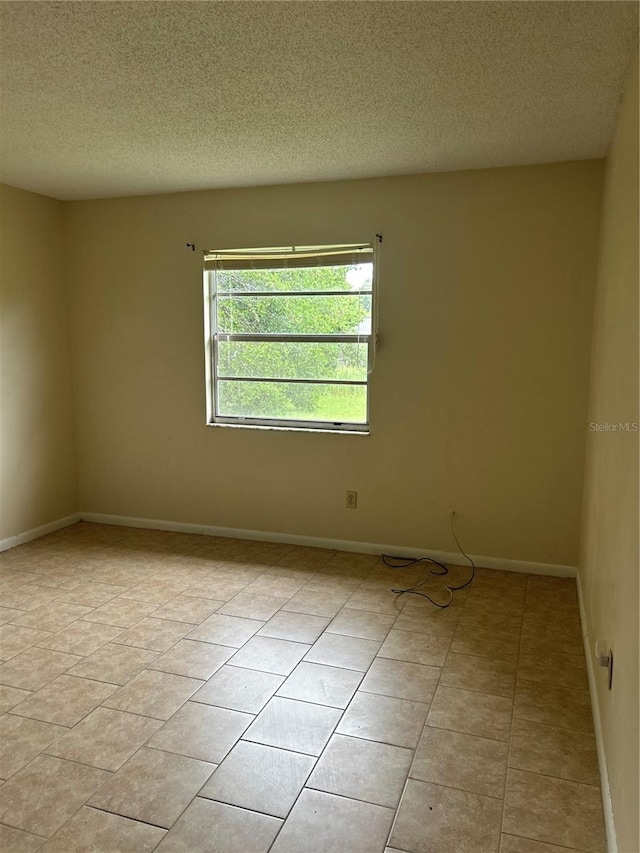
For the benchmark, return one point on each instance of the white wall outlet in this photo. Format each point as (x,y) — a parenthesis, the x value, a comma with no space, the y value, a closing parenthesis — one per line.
(604,656)
(351,500)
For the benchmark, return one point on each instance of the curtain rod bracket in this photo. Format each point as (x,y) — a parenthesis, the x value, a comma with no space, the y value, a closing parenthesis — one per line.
(191,246)
(379,236)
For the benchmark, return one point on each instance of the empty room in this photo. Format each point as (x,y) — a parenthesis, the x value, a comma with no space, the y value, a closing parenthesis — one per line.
(319,426)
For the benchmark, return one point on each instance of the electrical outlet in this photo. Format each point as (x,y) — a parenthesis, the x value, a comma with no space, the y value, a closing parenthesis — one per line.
(604,657)
(352,500)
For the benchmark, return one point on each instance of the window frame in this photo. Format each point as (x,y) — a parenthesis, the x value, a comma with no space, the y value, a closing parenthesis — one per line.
(213,337)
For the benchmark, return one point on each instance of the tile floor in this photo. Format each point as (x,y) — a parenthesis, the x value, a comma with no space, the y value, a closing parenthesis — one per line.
(161,691)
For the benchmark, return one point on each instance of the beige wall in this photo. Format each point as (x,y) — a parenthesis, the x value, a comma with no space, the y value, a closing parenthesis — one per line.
(609,558)
(37,444)
(479,396)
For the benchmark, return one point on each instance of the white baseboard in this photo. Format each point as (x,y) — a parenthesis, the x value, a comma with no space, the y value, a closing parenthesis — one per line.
(28,535)
(607,803)
(334,544)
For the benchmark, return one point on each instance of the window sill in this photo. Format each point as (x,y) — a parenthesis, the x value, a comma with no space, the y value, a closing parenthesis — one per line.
(291,429)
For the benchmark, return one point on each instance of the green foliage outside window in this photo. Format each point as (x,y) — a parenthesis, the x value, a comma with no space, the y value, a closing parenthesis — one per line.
(294,315)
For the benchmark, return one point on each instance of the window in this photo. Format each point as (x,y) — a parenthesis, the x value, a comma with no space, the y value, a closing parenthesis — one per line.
(289,336)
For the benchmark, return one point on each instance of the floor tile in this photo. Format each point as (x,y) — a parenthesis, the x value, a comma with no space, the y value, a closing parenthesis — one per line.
(28,597)
(269,655)
(434,819)
(544,615)
(490,615)
(545,598)
(9,697)
(501,599)
(401,679)
(352,560)
(218,589)
(154,694)
(186,608)
(386,577)
(362,770)
(552,587)
(347,652)
(461,761)
(513,844)
(554,705)
(485,642)
(440,623)
(294,626)
(324,685)
(201,731)
(553,810)
(298,726)
(155,634)
(193,659)
(33,668)
(376,601)
(53,616)
(274,585)
(302,557)
(105,738)
(155,591)
(483,675)
(46,793)
(473,713)
(7,614)
(21,740)
(553,751)
(361,623)
(92,594)
(384,719)
(121,612)
(543,638)
(201,709)
(324,823)
(93,830)
(331,585)
(211,826)
(16,841)
(81,638)
(261,778)
(127,575)
(65,701)
(154,787)
(315,603)
(239,689)
(416,648)
(14,639)
(252,606)
(226,630)
(263,553)
(561,670)
(114,664)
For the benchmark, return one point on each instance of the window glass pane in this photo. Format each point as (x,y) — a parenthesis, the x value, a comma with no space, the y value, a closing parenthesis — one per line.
(348,278)
(264,359)
(295,315)
(291,401)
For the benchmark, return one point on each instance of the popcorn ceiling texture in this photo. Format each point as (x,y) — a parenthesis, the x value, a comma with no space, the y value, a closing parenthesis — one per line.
(127,98)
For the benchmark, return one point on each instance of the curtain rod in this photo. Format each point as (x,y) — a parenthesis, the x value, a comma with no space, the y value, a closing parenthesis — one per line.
(193,248)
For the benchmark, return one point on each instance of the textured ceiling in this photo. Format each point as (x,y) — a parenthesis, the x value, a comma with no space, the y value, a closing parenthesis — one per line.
(125,98)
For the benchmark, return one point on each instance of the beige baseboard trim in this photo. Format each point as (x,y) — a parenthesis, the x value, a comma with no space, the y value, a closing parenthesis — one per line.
(607,803)
(28,535)
(499,563)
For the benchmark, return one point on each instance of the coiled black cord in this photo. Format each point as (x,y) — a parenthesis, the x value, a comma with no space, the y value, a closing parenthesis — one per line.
(407,562)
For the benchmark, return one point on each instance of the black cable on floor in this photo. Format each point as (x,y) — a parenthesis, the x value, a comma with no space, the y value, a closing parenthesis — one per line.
(407,562)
